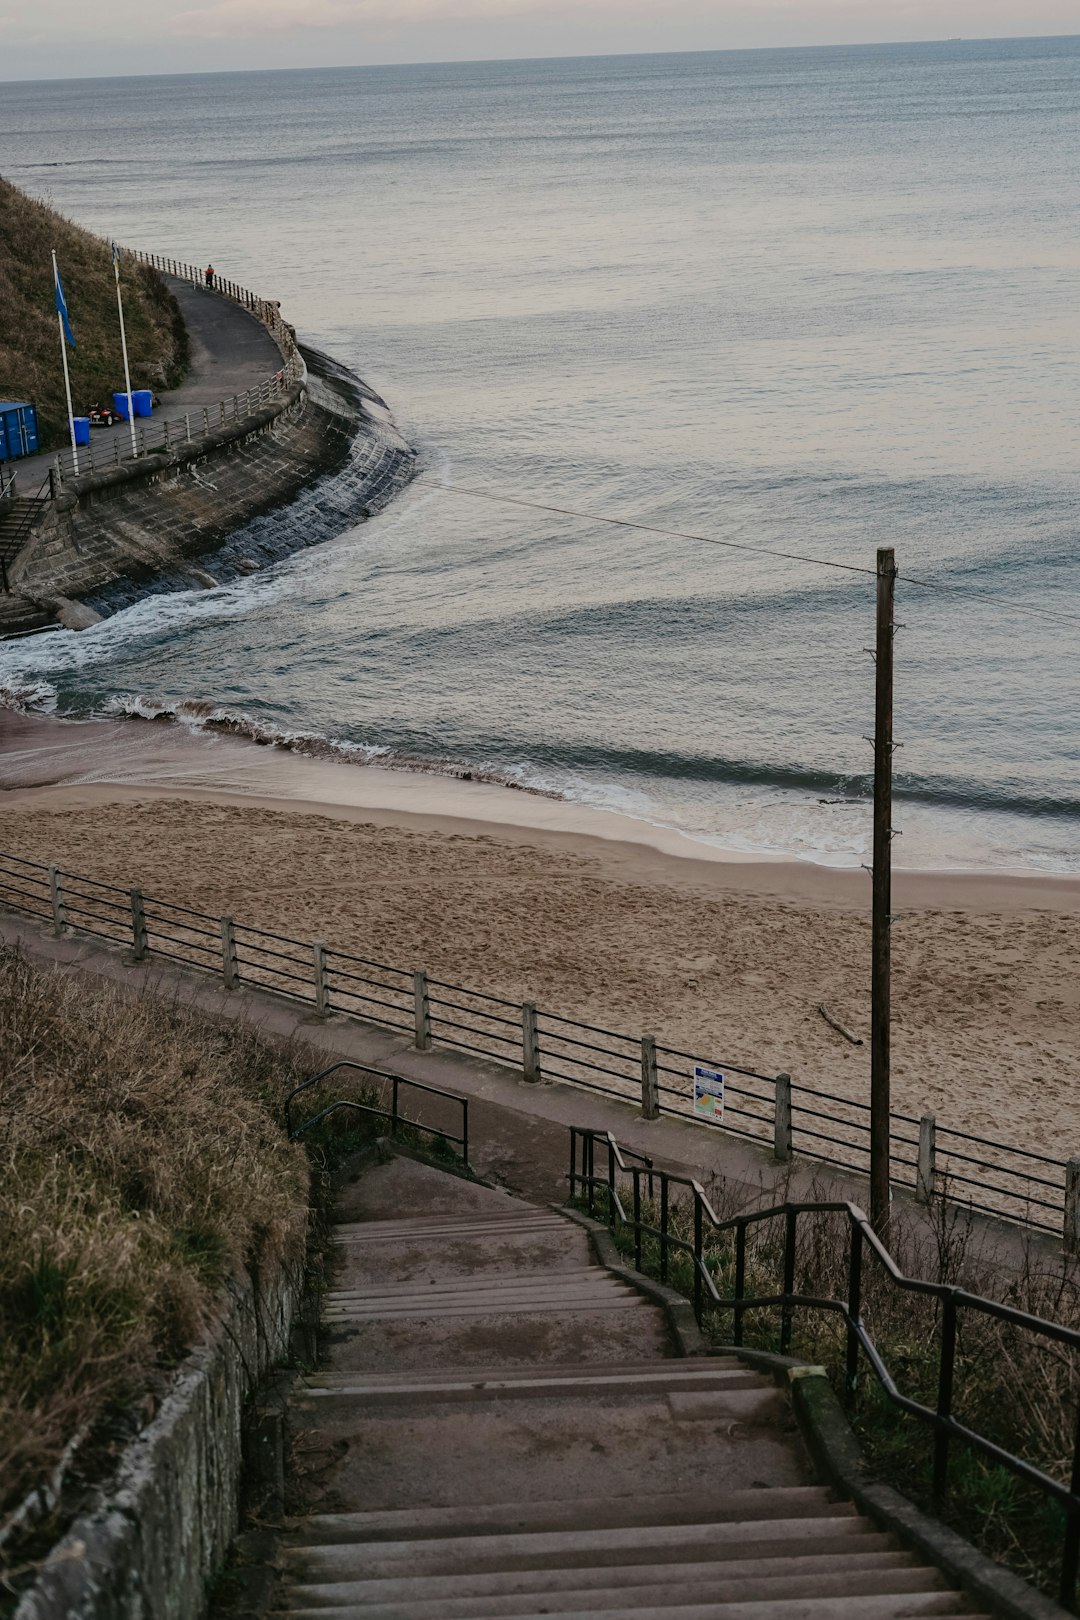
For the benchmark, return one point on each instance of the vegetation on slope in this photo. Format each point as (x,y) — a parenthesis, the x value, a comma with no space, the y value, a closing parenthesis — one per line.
(142,1163)
(30,366)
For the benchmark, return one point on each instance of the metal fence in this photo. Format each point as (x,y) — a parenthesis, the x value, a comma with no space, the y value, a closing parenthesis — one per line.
(674,1215)
(157,434)
(784,1116)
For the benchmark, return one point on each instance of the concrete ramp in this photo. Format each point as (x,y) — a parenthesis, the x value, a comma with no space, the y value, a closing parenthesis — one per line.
(502,1428)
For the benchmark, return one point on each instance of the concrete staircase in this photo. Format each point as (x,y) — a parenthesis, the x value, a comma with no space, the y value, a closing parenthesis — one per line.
(501,1429)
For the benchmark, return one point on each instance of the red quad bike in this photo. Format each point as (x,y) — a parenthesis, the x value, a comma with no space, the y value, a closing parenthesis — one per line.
(101,416)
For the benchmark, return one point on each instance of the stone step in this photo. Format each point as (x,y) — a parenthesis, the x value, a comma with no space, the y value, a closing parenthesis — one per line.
(648,1379)
(438,1228)
(563,1592)
(574,1276)
(909,1606)
(416,1523)
(553,1253)
(486,1305)
(689,1367)
(614,1547)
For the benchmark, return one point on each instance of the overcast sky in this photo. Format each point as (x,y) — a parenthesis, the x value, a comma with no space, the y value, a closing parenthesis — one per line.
(79,38)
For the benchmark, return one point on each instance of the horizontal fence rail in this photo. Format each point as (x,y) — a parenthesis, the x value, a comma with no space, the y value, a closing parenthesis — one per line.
(156,434)
(775,1112)
(673,1213)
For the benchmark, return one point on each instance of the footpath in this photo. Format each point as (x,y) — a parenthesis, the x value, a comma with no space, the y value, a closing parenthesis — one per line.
(231,351)
(500,1427)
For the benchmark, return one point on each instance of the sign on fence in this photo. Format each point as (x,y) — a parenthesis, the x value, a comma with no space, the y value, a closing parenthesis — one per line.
(708,1093)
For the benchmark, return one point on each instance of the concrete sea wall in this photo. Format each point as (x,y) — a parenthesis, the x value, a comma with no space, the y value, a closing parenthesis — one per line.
(189,513)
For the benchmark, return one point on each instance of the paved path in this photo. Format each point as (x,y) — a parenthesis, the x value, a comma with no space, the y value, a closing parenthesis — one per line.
(500,1429)
(521,1130)
(230,351)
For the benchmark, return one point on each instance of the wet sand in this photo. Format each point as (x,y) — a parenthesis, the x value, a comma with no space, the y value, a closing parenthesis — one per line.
(584,912)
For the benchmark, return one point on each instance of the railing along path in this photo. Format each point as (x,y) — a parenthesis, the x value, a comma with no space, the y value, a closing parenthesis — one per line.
(156,434)
(665,1207)
(774,1111)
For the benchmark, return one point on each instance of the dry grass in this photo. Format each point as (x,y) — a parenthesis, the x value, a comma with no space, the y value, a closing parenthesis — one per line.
(142,1162)
(29,344)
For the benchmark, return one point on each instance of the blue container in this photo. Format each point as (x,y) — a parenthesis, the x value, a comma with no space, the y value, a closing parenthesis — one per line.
(81,429)
(143,401)
(119,405)
(18,430)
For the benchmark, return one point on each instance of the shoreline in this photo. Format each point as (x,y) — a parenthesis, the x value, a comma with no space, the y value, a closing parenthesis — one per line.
(52,765)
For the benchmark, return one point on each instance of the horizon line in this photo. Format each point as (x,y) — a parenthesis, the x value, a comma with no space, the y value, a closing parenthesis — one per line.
(581,56)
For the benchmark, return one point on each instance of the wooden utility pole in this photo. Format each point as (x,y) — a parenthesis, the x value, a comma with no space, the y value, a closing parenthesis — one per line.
(882,907)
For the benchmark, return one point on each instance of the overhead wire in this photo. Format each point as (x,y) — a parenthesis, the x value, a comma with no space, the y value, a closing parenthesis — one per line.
(1053,614)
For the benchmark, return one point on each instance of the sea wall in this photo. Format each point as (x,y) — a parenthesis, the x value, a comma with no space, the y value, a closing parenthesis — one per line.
(159,522)
(161,1530)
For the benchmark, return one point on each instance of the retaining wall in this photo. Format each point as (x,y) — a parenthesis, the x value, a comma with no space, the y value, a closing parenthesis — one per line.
(161,1530)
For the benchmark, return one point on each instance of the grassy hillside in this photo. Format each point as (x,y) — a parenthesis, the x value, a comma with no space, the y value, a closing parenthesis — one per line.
(30,367)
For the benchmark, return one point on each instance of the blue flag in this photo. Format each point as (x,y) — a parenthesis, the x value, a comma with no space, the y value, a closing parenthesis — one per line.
(115,252)
(63,309)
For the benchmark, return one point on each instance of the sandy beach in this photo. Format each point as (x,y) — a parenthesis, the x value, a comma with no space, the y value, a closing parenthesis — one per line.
(585,913)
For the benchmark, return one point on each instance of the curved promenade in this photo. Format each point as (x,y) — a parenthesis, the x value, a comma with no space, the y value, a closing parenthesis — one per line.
(250,405)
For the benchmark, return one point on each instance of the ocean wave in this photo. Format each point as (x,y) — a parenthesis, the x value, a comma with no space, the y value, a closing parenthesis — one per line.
(200,715)
(28,696)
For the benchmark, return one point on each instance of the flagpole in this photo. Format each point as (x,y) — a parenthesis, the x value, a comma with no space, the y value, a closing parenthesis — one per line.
(123,345)
(67,378)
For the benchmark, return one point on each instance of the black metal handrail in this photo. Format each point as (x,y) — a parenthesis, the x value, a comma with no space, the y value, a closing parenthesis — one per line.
(393,1113)
(946,1427)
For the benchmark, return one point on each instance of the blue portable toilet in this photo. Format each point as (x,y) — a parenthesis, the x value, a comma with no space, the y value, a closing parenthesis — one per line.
(18,430)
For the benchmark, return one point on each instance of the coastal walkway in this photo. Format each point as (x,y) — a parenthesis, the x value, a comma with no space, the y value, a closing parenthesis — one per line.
(231,351)
(500,1427)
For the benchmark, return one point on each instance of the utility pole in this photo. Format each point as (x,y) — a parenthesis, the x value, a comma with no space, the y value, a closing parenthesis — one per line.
(882,906)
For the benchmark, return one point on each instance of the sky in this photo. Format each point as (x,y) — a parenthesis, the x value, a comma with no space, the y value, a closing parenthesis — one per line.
(87,38)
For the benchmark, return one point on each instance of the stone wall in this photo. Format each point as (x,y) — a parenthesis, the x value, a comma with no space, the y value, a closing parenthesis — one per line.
(160,1532)
(107,539)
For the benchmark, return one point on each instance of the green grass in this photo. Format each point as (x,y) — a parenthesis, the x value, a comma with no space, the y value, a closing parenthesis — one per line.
(30,363)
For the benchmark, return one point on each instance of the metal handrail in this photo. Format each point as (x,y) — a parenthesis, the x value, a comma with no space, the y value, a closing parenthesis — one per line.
(167,431)
(393,1113)
(941,1420)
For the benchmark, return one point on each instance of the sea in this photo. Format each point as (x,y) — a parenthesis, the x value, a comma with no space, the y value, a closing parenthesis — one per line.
(775,309)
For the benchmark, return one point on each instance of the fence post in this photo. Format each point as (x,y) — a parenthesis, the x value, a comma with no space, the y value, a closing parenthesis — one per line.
(322,986)
(422,1010)
(1070,1237)
(230,966)
(206,418)
(650,1092)
(56,895)
(165,431)
(187,426)
(926,1168)
(530,1042)
(139,944)
(782,1120)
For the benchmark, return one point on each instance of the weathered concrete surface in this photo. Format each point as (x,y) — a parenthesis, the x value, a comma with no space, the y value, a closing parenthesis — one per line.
(622,1481)
(148,1546)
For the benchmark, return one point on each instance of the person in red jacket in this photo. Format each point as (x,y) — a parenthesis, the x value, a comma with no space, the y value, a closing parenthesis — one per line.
(209,275)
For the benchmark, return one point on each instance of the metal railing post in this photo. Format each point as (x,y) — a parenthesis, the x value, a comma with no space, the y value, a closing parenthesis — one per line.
(926,1168)
(782,1120)
(322,988)
(230,966)
(56,895)
(206,419)
(422,1012)
(786,1312)
(664,1198)
(944,1401)
(1070,1235)
(740,1279)
(530,1042)
(139,944)
(854,1311)
(650,1088)
(187,426)
(698,1253)
(636,1172)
